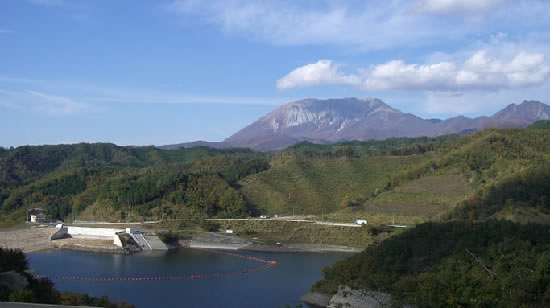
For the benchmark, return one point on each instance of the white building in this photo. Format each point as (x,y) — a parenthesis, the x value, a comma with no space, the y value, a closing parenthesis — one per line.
(35,215)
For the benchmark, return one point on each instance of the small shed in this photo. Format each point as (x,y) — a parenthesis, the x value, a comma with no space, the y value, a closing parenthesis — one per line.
(35,215)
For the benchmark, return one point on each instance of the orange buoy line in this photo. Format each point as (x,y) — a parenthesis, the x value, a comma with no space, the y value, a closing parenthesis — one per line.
(267,264)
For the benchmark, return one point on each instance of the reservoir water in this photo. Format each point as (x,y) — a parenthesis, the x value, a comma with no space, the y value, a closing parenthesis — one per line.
(275,286)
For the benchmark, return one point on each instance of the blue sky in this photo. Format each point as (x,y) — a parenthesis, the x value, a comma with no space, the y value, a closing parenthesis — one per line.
(162,72)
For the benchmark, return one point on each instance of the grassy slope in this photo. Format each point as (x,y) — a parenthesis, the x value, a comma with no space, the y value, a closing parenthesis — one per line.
(427,198)
(270,232)
(318,185)
(414,187)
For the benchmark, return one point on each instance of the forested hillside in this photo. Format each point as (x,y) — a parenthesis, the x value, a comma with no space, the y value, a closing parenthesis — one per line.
(542,124)
(462,197)
(485,250)
(27,163)
(67,179)
(496,263)
(417,179)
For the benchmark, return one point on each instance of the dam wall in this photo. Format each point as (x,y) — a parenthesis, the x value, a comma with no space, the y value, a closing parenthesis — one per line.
(93,232)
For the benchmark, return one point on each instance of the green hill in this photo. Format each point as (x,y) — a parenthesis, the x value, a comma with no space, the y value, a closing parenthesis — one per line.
(542,124)
(320,185)
(27,163)
(469,203)
(495,263)
(483,252)
(66,179)
(402,180)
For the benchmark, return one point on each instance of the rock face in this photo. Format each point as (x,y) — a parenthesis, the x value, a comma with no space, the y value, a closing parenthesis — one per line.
(333,120)
(316,299)
(347,297)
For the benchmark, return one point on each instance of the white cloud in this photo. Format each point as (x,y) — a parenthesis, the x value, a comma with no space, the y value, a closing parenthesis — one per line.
(398,75)
(479,72)
(369,25)
(62,98)
(446,7)
(372,25)
(57,105)
(321,72)
(41,102)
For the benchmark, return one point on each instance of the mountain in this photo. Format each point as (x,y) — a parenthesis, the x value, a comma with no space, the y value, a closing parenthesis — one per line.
(529,111)
(513,115)
(328,121)
(335,120)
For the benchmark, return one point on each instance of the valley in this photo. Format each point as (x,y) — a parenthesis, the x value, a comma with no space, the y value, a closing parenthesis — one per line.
(415,195)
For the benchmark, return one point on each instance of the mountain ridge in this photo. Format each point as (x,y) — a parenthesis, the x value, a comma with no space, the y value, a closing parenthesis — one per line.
(344,119)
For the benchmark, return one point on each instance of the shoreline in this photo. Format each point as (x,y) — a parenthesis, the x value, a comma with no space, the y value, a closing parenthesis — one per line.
(301,247)
(33,240)
(218,241)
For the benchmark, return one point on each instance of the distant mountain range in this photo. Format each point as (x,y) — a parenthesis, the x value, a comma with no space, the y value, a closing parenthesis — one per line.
(335,120)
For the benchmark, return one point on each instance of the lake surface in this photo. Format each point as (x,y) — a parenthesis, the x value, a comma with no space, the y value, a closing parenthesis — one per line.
(275,286)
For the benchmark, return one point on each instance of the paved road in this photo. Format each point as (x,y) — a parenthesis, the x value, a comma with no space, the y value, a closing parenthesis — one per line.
(85,222)
(304,219)
(337,224)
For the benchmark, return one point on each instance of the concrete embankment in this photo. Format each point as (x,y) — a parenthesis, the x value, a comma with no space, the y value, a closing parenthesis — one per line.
(155,243)
(301,248)
(215,241)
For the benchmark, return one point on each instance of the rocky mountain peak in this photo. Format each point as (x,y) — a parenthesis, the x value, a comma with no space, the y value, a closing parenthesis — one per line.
(333,120)
(323,113)
(528,111)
